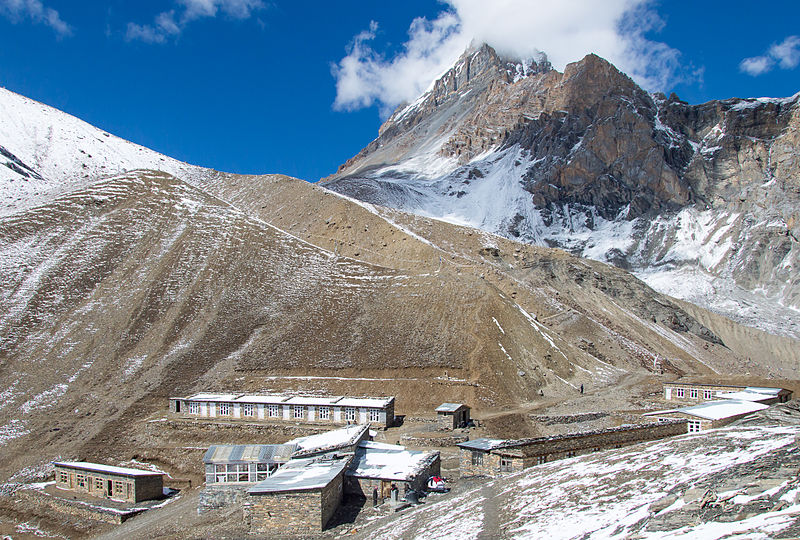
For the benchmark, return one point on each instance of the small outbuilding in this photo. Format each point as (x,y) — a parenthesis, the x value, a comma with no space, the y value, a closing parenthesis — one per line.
(299,499)
(381,466)
(109,482)
(452,415)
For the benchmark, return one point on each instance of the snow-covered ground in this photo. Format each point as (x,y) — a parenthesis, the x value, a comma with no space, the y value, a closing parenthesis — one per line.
(48,152)
(612,494)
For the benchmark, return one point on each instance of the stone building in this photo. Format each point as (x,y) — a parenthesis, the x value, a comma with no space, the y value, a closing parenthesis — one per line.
(299,499)
(712,414)
(700,392)
(378,412)
(378,465)
(452,415)
(106,481)
(342,440)
(493,457)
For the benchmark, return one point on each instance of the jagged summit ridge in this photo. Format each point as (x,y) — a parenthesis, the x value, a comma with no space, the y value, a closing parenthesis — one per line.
(699,200)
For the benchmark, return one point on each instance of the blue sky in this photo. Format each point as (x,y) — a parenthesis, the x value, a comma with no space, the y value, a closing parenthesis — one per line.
(258,86)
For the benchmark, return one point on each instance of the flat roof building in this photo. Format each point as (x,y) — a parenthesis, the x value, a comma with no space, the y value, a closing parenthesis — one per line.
(108,481)
(699,392)
(299,498)
(380,466)
(493,457)
(710,415)
(378,411)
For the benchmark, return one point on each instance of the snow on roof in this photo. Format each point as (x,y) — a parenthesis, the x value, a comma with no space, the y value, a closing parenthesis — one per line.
(330,440)
(717,410)
(250,453)
(482,444)
(205,396)
(747,395)
(764,390)
(340,401)
(449,407)
(365,402)
(302,475)
(389,462)
(108,469)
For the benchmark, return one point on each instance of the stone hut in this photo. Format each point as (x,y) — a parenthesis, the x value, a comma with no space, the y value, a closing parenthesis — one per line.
(299,499)
(710,415)
(109,482)
(378,465)
(452,415)
(337,410)
(493,457)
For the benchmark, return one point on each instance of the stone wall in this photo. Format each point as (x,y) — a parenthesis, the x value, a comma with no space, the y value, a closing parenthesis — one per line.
(527,452)
(285,513)
(212,498)
(294,513)
(550,420)
(432,441)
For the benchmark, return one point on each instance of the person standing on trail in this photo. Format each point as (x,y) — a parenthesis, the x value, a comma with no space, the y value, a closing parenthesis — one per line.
(374,497)
(581,389)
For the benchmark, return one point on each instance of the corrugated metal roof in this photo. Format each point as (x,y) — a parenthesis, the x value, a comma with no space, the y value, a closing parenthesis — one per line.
(302,475)
(249,453)
(449,407)
(481,444)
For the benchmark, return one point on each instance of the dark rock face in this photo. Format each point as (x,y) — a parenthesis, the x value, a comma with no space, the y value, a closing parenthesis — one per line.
(712,186)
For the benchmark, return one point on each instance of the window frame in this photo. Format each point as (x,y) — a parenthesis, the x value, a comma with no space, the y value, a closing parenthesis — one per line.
(273,410)
(350,412)
(374,415)
(477,458)
(298,412)
(324,412)
(248,409)
(506,464)
(224,408)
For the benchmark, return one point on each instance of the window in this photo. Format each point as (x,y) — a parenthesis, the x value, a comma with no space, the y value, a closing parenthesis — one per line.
(374,415)
(477,458)
(694,426)
(224,409)
(119,488)
(505,464)
(541,460)
(80,479)
(299,411)
(262,471)
(350,414)
(708,394)
(273,411)
(571,453)
(248,409)
(220,471)
(679,392)
(194,407)
(693,393)
(324,413)
(243,470)
(63,477)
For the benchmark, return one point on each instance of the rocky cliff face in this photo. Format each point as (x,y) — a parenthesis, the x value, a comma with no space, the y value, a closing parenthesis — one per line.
(700,200)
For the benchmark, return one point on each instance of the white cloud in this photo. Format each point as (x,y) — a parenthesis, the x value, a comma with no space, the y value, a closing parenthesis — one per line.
(786,55)
(566,31)
(17,10)
(171,23)
(756,65)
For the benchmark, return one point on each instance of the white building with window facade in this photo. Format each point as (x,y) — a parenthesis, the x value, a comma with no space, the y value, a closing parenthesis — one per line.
(376,411)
